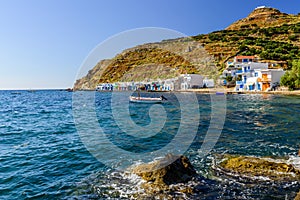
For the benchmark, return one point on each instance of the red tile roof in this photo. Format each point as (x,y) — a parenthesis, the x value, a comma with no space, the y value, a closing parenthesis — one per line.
(245,57)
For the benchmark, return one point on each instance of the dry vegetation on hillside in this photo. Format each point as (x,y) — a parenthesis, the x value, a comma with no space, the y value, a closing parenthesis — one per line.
(266,32)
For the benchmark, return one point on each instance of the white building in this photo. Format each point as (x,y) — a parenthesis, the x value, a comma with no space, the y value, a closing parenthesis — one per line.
(190,81)
(209,83)
(243,66)
(263,80)
(170,84)
(269,78)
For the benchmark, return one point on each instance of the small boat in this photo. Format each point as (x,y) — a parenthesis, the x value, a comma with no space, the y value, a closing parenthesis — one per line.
(146,99)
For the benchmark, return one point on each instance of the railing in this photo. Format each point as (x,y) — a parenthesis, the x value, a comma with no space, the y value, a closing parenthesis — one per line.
(243,71)
(266,80)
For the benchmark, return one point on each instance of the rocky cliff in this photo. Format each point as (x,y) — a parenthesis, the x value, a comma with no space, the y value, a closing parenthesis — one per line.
(264,17)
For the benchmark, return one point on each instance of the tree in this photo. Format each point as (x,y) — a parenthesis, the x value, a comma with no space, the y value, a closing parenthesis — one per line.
(229,78)
(243,47)
(291,78)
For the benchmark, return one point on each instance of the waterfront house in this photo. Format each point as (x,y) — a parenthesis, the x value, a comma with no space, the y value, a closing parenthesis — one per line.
(104,87)
(170,84)
(182,82)
(247,70)
(208,83)
(263,80)
(191,81)
(252,84)
(269,78)
(242,68)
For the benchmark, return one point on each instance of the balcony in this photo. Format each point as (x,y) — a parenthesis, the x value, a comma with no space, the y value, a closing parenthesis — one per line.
(265,80)
(243,71)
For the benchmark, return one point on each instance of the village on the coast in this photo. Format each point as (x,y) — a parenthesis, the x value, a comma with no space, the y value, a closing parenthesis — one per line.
(242,73)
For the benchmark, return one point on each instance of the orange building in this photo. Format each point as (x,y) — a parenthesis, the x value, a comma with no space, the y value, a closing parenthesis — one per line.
(269,78)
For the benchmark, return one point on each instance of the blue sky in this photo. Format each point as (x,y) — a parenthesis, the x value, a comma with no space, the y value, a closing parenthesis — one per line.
(44,43)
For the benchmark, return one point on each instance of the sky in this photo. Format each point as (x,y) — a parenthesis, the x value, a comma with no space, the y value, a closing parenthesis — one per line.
(44,43)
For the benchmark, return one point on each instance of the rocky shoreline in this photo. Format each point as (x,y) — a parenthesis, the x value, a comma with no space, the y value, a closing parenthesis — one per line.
(179,176)
(250,167)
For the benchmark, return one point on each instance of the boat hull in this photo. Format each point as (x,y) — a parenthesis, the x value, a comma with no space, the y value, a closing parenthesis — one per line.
(144,100)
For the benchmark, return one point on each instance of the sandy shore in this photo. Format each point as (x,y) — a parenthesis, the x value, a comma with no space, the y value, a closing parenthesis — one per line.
(222,90)
(230,91)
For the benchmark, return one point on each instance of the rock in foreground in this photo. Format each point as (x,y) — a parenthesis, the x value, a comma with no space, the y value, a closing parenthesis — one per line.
(247,166)
(298,196)
(179,171)
(168,177)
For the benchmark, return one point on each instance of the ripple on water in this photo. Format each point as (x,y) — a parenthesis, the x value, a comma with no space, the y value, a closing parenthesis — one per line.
(42,156)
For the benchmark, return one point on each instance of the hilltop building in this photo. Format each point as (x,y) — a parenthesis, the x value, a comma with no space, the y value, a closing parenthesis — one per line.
(260,7)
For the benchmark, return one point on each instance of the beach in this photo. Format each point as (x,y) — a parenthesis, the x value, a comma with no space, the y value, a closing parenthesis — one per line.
(231,91)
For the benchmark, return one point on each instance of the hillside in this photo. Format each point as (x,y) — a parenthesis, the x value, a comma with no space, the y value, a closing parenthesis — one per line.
(166,59)
(265,32)
(264,17)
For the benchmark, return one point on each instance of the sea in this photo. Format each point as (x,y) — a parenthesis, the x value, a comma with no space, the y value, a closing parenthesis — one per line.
(48,149)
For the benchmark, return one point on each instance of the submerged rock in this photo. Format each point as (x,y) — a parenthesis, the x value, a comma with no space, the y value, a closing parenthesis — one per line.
(253,167)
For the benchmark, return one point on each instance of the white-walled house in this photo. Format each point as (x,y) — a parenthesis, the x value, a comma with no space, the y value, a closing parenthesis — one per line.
(263,80)
(170,84)
(244,69)
(209,83)
(269,78)
(243,66)
(182,82)
(190,81)
(104,87)
(252,84)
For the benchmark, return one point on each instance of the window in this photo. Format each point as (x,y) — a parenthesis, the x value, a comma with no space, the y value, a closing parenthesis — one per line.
(256,74)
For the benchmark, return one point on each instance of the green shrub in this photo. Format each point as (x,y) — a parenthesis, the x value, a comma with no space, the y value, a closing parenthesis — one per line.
(293,37)
(291,78)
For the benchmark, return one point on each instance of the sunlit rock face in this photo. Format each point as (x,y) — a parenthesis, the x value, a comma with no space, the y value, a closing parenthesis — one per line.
(254,167)
(179,171)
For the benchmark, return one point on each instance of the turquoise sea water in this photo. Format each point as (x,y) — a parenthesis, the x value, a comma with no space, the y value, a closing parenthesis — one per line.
(43,157)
